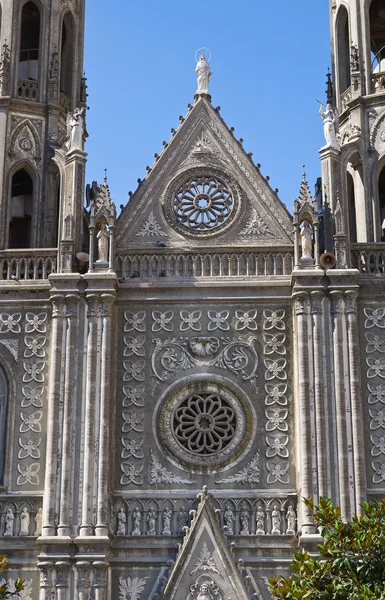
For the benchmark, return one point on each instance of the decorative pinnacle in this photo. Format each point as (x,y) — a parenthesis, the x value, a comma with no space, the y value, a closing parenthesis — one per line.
(105,176)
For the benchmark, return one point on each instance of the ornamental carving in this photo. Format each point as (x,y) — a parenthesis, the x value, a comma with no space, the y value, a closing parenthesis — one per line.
(202,201)
(205,424)
(174,354)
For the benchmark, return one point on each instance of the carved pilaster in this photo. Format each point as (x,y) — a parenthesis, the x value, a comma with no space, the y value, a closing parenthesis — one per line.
(100,580)
(46,587)
(83,569)
(62,579)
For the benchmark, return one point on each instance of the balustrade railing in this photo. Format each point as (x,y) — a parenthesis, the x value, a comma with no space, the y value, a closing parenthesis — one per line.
(190,265)
(369,258)
(28,265)
(27,90)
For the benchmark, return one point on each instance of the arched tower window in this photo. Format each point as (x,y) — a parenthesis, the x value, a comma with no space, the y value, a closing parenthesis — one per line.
(381,200)
(67,55)
(3,420)
(343,50)
(51,224)
(29,42)
(21,210)
(351,209)
(377,35)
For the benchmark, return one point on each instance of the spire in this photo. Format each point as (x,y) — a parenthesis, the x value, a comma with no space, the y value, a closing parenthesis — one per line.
(304,195)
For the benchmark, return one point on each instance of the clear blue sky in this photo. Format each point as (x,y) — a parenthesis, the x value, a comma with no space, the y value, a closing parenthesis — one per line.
(269,60)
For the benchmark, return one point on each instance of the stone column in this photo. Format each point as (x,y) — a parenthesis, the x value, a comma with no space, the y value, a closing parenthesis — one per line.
(62,578)
(46,587)
(100,580)
(330,163)
(53,426)
(103,512)
(83,581)
(340,400)
(356,400)
(68,416)
(301,305)
(91,394)
(319,391)
(111,252)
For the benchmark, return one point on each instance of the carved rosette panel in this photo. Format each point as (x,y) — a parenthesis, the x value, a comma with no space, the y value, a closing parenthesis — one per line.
(276,396)
(29,467)
(374,324)
(132,424)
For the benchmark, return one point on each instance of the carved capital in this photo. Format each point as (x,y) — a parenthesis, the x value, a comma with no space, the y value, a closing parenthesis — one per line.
(58,306)
(84,575)
(93,305)
(100,573)
(72,306)
(316,302)
(62,573)
(351,302)
(46,570)
(336,305)
(107,305)
(301,303)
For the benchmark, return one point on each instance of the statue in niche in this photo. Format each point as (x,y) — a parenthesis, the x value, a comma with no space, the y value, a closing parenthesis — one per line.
(103,238)
(204,73)
(151,520)
(24,522)
(260,520)
(229,520)
(245,522)
(331,123)
(9,520)
(275,521)
(136,518)
(76,129)
(39,522)
(182,519)
(291,519)
(307,240)
(167,514)
(122,519)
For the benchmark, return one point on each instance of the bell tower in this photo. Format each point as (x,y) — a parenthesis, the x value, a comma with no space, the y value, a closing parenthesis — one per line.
(353,170)
(42,105)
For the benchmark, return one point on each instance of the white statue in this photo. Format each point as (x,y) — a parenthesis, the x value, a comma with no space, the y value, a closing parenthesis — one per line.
(24,522)
(167,514)
(76,129)
(275,521)
(229,520)
(291,519)
(331,123)
(103,238)
(39,522)
(151,520)
(121,530)
(9,519)
(260,520)
(307,240)
(245,522)
(182,519)
(136,518)
(204,592)
(204,74)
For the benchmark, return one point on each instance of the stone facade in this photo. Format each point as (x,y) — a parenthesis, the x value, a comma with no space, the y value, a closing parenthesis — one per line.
(174,381)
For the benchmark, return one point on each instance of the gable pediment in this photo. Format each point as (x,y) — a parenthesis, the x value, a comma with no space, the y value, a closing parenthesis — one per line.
(204,569)
(204,190)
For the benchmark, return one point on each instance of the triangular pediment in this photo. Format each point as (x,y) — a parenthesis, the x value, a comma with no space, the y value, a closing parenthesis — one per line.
(204,190)
(204,569)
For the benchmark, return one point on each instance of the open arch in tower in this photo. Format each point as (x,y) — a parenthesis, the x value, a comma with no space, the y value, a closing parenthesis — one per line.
(67,55)
(29,42)
(377,34)
(52,209)
(343,49)
(22,197)
(356,199)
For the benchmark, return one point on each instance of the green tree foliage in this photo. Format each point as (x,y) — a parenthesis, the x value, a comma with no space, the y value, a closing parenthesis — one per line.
(351,561)
(4,589)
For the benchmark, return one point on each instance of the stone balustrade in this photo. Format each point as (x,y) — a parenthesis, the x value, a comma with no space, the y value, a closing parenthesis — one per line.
(369,258)
(27,90)
(23,265)
(191,265)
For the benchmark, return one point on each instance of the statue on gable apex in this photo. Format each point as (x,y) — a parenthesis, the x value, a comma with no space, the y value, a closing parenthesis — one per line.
(204,73)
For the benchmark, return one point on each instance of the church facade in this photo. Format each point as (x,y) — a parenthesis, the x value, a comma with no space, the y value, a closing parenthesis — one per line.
(173,381)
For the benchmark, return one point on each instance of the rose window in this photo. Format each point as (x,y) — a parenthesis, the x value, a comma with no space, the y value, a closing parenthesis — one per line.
(204,423)
(203,203)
